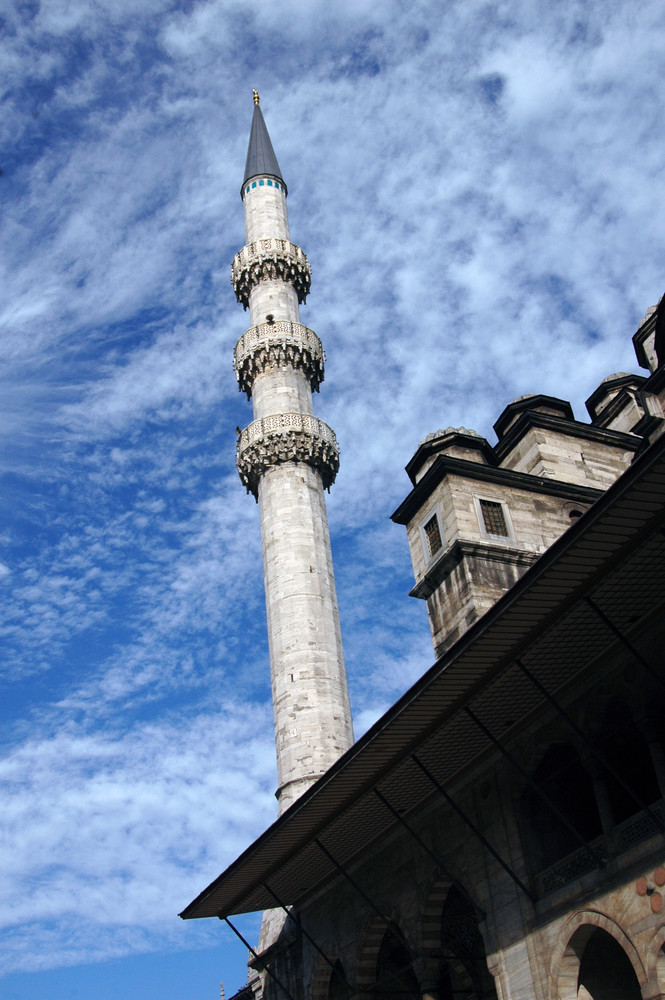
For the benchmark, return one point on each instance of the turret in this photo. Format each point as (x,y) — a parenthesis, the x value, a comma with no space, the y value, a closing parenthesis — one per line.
(286,458)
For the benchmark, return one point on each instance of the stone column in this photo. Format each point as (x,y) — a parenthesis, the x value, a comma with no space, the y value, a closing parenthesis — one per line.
(286,458)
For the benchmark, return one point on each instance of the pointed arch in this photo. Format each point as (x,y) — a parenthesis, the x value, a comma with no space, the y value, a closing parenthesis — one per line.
(396,977)
(330,981)
(371,943)
(563,782)
(430,917)
(453,945)
(573,940)
(656,963)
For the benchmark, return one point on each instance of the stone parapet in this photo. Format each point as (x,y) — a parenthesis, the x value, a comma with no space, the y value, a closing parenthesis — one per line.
(286,437)
(270,260)
(276,345)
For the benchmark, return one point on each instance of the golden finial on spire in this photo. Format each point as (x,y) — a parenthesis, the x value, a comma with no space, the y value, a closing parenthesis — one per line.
(256,96)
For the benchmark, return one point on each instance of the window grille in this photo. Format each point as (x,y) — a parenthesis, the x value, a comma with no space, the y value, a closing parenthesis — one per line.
(433,535)
(494,518)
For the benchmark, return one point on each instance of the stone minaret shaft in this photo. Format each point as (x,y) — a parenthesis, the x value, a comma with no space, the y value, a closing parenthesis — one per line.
(286,458)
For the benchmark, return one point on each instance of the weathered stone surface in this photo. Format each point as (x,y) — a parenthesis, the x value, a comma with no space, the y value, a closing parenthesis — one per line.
(531,937)
(474,569)
(265,212)
(286,437)
(278,345)
(270,259)
(286,458)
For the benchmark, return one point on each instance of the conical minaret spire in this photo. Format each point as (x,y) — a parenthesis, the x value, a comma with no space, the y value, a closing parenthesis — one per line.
(261,160)
(286,458)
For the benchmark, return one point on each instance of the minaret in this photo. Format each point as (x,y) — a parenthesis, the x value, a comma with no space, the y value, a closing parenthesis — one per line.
(286,457)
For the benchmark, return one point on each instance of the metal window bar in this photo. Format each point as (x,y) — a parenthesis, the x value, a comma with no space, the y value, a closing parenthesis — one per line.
(537,789)
(623,639)
(433,535)
(297,920)
(472,826)
(494,518)
(263,965)
(591,746)
(363,894)
(480,915)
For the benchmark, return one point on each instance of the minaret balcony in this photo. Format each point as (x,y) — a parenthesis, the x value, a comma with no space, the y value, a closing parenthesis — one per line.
(270,260)
(278,345)
(286,437)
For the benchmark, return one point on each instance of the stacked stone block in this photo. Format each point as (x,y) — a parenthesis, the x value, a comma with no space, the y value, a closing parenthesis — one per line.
(286,458)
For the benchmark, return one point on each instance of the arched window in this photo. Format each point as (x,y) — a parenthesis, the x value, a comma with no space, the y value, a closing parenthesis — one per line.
(626,750)
(605,970)
(395,978)
(338,988)
(567,785)
(464,969)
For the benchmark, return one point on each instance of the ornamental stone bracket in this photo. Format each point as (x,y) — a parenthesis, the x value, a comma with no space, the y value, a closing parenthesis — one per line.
(286,437)
(270,260)
(278,345)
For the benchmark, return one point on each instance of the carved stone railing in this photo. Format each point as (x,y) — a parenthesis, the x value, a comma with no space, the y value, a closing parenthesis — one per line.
(276,345)
(627,834)
(640,827)
(286,437)
(268,260)
(570,868)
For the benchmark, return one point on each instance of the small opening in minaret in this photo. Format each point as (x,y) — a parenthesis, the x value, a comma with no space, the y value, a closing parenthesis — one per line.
(270,318)
(433,535)
(493,516)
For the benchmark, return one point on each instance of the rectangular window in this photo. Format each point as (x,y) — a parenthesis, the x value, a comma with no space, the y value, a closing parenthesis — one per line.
(493,518)
(432,534)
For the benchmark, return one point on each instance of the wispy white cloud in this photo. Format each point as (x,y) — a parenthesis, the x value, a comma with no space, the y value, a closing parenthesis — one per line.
(476,187)
(104,830)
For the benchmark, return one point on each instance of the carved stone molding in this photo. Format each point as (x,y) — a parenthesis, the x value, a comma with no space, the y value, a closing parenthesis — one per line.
(286,437)
(267,260)
(276,345)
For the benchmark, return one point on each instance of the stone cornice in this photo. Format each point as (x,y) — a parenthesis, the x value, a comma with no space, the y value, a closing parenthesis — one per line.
(446,465)
(286,437)
(464,549)
(644,331)
(278,345)
(568,428)
(270,260)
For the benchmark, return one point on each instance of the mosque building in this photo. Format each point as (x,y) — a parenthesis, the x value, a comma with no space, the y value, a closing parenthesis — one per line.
(500,832)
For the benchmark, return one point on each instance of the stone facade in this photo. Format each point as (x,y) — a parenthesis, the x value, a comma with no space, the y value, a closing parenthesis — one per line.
(497,509)
(430,911)
(537,869)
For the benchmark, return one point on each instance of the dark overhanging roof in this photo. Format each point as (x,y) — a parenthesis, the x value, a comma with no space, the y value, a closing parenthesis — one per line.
(531,402)
(261,160)
(450,465)
(614,552)
(569,428)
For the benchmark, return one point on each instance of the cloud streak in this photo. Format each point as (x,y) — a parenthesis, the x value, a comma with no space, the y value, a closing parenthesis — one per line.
(476,187)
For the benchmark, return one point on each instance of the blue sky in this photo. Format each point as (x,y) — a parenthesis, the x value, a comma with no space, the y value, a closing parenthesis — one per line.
(478,188)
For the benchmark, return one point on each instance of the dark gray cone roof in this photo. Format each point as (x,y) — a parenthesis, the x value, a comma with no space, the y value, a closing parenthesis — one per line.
(261,159)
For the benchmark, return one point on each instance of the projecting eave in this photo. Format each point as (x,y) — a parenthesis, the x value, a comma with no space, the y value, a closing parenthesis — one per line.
(569,428)
(446,465)
(615,555)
